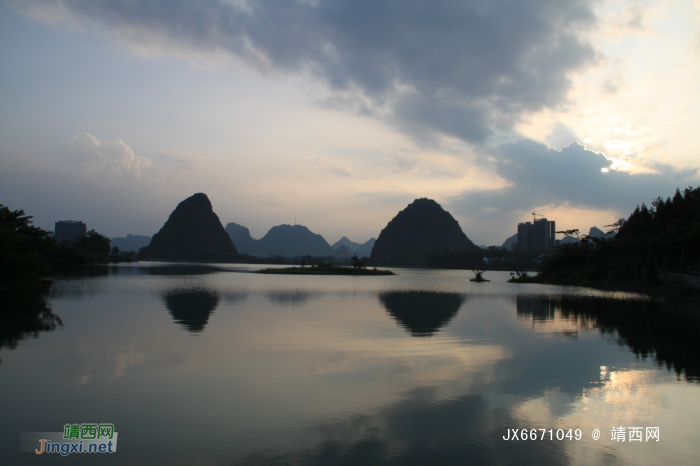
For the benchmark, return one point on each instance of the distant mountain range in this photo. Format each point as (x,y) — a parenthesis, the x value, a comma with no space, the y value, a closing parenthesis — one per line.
(344,241)
(131,242)
(281,240)
(361,250)
(366,249)
(193,232)
(421,229)
(293,240)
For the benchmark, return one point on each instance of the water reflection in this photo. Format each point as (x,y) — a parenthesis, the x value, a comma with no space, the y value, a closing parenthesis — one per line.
(422,313)
(420,429)
(235,297)
(191,308)
(168,270)
(25,314)
(289,297)
(80,272)
(535,308)
(651,329)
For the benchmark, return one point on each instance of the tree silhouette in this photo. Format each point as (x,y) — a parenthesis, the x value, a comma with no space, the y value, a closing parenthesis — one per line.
(25,250)
(357,262)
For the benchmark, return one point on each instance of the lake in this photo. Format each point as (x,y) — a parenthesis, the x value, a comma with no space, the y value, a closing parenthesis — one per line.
(214,365)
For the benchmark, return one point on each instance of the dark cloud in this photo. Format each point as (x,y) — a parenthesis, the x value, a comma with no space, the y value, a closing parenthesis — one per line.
(455,67)
(542,176)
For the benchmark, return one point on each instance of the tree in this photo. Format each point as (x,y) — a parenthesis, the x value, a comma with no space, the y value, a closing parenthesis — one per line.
(574,232)
(617,225)
(357,263)
(93,242)
(26,251)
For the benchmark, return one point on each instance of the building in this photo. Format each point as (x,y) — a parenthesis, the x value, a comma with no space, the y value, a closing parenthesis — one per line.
(538,235)
(69,230)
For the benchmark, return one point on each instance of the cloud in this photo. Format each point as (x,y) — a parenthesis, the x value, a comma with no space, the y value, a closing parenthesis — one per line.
(573,176)
(330,165)
(462,68)
(633,19)
(108,156)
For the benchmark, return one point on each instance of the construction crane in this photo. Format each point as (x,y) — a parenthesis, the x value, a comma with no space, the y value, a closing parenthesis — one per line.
(535,215)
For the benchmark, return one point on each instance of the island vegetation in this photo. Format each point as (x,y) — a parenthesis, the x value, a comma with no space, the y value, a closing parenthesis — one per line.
(358,268)
(478,276)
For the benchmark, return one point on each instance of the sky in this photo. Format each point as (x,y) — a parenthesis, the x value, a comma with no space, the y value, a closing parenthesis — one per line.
(338,114)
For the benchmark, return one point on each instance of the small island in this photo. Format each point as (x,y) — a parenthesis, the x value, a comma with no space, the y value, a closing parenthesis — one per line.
(478,276)
(326,269)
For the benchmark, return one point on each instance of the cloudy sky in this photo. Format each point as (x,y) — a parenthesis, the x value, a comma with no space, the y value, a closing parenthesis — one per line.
(339,113)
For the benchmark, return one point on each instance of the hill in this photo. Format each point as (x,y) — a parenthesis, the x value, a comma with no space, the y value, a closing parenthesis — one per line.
(240,235)
(343,251)
(296,240)
(131,242)
(344,241)
(281,240)
(366,249)
(510,242)
(193,232)
(421,229)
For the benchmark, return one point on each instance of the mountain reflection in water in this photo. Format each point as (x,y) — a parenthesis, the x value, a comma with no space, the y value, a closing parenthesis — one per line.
(326,371)
(422,313)
(191,308)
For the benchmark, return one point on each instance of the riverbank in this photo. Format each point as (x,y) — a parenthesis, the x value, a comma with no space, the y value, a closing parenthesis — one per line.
(660,289)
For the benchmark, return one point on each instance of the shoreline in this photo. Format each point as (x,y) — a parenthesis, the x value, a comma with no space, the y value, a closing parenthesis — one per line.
(657,290)
(325,270)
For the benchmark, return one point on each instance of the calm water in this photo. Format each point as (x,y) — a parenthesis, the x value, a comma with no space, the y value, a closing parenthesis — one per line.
(214,365)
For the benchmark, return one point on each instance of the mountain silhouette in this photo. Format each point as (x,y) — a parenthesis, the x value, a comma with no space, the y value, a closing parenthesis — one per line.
(131,242)
(342,251)
(507,244)
(297,240)
(422,228)
(422,313)
(240,235)
(344,241)
(193,232)
(366,249)
(281,240)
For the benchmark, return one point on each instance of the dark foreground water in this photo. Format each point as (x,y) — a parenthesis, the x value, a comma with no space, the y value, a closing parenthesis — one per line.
(200,365)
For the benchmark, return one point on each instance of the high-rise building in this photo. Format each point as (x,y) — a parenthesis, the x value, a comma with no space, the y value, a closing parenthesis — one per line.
(69,230)
(536,235)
